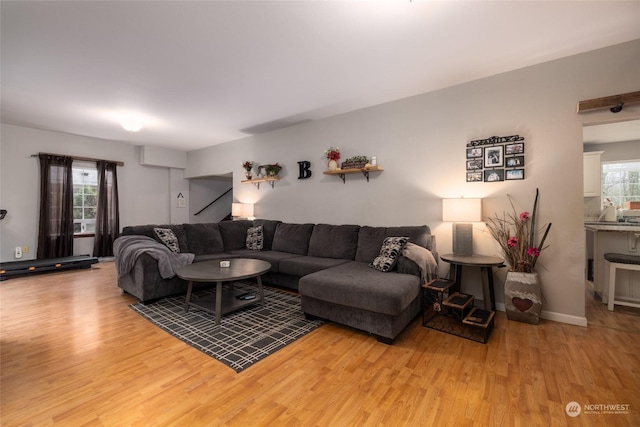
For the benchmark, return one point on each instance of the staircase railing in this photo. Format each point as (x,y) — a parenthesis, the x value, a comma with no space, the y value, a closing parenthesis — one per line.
(218,198)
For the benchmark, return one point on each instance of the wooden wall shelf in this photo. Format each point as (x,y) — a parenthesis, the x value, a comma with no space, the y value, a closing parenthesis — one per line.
(256,181)
(342,173)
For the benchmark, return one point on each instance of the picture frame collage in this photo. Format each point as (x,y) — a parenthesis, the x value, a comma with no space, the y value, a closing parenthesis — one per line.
(498,158)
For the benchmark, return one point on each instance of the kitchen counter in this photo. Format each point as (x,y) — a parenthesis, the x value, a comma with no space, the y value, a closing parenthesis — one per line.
(612,226)
(603,237)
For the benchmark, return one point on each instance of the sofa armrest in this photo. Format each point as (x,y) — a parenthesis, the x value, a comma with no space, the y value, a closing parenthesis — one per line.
(405,266)
(145,283)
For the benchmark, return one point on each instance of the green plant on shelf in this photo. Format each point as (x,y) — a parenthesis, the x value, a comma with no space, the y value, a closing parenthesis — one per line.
(273,169)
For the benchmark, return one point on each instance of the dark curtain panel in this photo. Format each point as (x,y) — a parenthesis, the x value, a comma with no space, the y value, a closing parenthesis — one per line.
(107,216)
(55,233)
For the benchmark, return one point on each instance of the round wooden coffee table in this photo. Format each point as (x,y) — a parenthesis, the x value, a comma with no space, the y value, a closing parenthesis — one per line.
(211,271)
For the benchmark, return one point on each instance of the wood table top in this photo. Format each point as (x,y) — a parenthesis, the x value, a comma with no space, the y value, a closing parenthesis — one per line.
(473,260)
(210,271)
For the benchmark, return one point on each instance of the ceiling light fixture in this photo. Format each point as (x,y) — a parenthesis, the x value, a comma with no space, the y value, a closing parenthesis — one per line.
(131,126)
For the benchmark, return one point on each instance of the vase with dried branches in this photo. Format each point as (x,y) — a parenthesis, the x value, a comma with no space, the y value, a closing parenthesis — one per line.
(516,236)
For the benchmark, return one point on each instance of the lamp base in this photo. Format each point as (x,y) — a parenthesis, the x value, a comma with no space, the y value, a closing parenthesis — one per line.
(463,239)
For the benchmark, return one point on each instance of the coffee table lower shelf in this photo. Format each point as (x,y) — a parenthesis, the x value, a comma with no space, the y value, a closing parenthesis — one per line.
(444,323)
(229,300)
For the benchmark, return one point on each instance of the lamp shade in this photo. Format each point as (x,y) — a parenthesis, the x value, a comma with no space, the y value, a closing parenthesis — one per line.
(242,210)
(236,209)
(247,210)
(462,210)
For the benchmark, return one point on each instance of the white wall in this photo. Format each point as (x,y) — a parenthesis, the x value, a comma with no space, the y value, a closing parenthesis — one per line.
(160,156)
(179,196)
(204,191)
(420,141)
(143,190)
(616,151)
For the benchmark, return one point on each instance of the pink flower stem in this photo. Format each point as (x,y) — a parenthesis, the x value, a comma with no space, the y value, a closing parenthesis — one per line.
(544,237)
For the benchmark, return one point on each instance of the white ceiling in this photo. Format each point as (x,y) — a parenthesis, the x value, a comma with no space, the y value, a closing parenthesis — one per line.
(203,73)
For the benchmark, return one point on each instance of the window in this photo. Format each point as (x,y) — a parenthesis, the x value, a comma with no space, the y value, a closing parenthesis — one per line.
(621,182)
(85,199)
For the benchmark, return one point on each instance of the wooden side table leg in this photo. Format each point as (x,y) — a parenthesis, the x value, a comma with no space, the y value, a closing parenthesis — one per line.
(261,290)
(484,274)
(188,298)
(218,302)
(491,304)
(457,277)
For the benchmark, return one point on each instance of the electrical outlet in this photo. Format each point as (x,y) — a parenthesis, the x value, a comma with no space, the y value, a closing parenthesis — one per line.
(18,253)
(25,249)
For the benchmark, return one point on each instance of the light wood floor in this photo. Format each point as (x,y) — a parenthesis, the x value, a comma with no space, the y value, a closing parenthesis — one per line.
(74,354)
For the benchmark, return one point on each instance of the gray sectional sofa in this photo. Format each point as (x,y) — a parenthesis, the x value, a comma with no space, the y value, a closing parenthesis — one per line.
(329,265)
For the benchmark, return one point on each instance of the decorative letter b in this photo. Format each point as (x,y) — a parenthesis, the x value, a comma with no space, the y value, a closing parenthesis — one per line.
(305,172)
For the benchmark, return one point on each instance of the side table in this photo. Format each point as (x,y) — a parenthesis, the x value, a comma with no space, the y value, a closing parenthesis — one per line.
(485,263)
(454,313)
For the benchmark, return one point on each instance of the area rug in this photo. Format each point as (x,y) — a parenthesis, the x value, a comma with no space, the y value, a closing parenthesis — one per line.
(244,337)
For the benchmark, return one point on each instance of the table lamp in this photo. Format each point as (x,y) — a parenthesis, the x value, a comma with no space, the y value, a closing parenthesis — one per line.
(242,210)
(236,210)
(247,211)
(458,211)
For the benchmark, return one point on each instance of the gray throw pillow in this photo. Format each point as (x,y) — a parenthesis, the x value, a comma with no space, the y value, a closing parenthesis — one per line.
(255,238)
(389,253)
(168,237)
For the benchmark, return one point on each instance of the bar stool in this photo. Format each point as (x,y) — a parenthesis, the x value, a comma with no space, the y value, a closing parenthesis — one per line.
(622,262)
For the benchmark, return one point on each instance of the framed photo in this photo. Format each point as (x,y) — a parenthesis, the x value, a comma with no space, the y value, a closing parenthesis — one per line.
(474,176)
(515,174)
(515,162)
(494,175)
(517,148)
(494,156)
(473,153)
(473,165)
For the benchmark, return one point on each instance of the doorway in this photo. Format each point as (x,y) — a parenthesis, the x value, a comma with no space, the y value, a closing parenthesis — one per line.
(619,141)
(210,198)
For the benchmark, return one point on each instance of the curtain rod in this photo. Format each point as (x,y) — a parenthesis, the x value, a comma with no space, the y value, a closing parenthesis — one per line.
(83,159)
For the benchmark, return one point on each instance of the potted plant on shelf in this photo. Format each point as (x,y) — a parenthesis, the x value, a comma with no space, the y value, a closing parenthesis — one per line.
(247,167)
(273,169)
(516,236)
(333,154)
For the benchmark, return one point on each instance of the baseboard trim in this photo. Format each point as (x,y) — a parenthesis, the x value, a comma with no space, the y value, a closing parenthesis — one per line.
(564,318)
(556,317)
